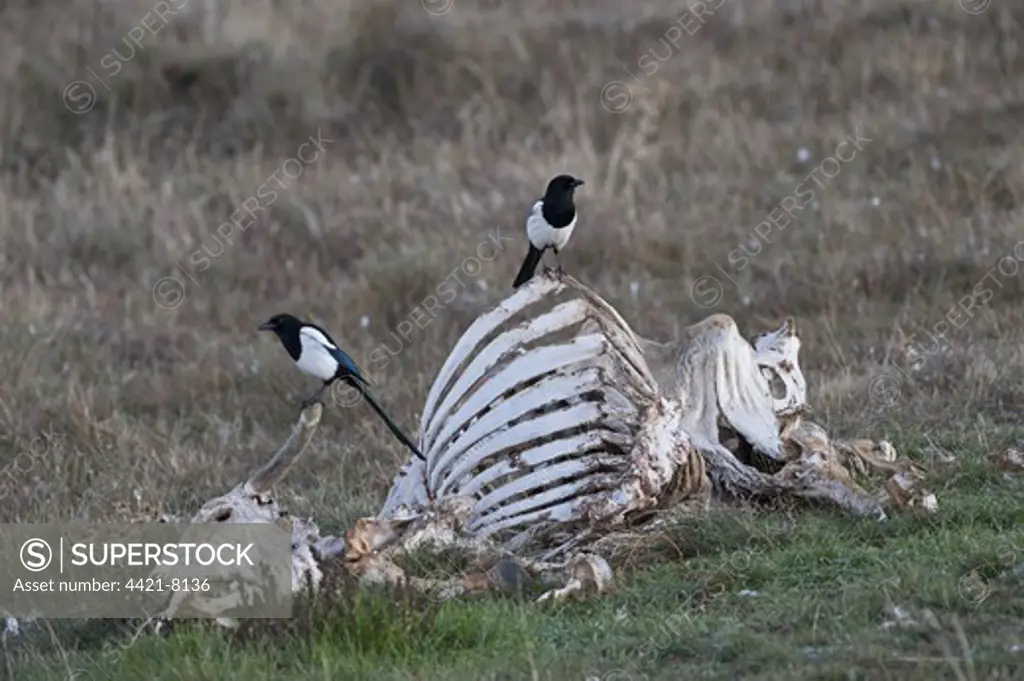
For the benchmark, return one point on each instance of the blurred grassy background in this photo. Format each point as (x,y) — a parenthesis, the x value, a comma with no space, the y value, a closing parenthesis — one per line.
(133,131)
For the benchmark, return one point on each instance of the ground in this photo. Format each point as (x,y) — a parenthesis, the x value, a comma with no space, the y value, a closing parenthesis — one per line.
(854,164)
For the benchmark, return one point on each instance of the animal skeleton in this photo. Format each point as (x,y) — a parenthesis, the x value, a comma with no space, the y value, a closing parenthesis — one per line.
(551,427)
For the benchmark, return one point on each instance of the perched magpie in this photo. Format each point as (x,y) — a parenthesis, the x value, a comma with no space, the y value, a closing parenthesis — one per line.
(549,225)
(316,354)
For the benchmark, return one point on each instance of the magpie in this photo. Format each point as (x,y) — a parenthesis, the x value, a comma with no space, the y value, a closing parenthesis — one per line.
(549,225)
(315,353)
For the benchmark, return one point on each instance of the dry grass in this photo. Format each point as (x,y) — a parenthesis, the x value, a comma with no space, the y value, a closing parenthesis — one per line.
(442,129)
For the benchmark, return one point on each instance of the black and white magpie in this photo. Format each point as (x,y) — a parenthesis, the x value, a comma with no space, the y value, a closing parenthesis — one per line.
(549,225)
(315,353)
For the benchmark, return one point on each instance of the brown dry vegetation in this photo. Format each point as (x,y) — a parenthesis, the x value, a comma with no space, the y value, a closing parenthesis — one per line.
(443,128)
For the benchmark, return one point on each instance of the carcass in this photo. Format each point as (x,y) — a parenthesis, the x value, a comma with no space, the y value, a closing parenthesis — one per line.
(552,426)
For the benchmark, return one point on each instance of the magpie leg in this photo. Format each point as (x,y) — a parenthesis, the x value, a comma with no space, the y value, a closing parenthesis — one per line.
(543,258)
(558,260)
(315,397)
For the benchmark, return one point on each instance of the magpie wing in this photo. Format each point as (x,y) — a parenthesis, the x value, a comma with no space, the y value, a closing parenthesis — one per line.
(322,339)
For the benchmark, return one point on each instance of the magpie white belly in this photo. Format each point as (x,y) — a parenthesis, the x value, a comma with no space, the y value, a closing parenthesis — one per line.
(542,235)
(315,360)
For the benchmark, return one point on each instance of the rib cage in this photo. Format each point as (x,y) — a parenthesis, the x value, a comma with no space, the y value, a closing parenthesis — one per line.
(533,415)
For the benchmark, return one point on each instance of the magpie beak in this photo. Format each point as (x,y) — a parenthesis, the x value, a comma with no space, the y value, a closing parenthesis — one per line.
(265,326)
(577,183)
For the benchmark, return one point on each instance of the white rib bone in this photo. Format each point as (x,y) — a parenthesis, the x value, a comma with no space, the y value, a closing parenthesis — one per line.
(573,496)
(516,373)
(624,340)
(565,315)
(543,394)
(548,391)
(529,485)
(408,491)
(545,454)
(526,368)
(483,326)
(576,416)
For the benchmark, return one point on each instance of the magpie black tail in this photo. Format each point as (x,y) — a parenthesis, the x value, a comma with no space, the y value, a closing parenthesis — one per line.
(375,405)
(529,266)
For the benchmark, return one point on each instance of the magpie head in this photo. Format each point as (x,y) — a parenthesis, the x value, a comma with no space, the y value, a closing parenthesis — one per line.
(282,325)
(562,187)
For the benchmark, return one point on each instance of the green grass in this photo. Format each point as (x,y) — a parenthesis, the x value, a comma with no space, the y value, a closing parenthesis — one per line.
(788,595)
(446,127)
